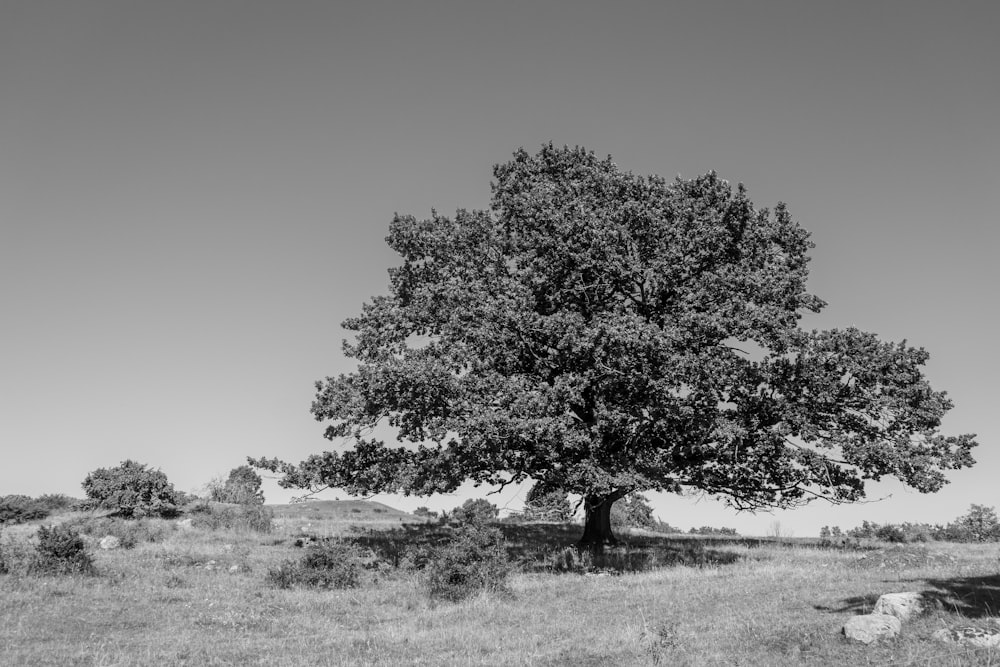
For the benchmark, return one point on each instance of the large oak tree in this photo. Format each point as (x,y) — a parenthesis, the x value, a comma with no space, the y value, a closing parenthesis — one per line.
(604,333)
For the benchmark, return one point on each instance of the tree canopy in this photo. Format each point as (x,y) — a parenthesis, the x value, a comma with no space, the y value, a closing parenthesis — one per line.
(608,333)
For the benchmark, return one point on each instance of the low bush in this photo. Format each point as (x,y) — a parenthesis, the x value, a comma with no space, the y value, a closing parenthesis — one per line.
(61,550)
(472,561)
(326,565)
(245,518)
(21,509)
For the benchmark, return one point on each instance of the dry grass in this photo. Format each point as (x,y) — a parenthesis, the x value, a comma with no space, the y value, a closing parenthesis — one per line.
(719,603)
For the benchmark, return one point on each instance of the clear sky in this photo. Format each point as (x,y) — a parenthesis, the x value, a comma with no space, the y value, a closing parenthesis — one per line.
(194,195)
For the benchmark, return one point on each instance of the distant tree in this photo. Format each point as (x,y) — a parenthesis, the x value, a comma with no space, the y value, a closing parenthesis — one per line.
(608,333)
(424,511)
(478,510)
(979,524)
(633,511)
(241,487)
(545,503)
(132,489)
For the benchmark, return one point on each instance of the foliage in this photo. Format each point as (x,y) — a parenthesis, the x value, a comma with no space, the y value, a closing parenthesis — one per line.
(327,565)
(474,560)
(424,511)
(242,487)
(133,490)
(607,333)
(61,550)
(129,532)
(255,518)
(475,510)
(633,511)
(21,509)
(979,524)
(710,530)
(545,503)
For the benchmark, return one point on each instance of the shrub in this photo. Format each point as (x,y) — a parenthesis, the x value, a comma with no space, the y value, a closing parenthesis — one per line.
(21,509)
(544,503)
(475,511)
(632,511)
(709,530)
(255,518)
(242,487)
(326,565)
(473,560)
(424,512)
(61,550)
(132,490)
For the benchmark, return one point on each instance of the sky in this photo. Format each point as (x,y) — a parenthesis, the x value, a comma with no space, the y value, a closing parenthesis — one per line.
(194,195)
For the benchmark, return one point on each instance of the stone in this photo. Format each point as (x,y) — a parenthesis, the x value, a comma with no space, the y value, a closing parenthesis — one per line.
(109,542)
(871,628)
(186,524)
(903,606)
(969,636)
(233,569)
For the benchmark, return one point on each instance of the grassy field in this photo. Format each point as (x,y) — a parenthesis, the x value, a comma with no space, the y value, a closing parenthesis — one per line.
(201,597)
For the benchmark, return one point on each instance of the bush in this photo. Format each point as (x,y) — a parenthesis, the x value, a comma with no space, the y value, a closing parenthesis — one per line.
(632,511)
(132,490)
(21,509)
(545,503)
(255,518)
(709,530)
(475,511)
(241,488)
(61,550)
(473,560)
(326,565)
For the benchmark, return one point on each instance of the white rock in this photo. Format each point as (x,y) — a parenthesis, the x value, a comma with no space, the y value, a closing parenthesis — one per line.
(110,542)
(186,524)
(233,569)
(969,636)
(871,627)
(903,606)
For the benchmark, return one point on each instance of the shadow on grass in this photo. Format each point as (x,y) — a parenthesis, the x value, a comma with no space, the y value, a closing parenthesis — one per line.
(971,597)
(551,548)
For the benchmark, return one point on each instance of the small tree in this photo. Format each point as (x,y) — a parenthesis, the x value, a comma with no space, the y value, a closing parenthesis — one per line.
(545,503)
(633,511)
(979,524)
(478,510)
(242,487)
(132,489)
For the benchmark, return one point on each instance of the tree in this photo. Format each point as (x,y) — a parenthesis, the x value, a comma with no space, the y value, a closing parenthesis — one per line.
(979,524)
(132,489)
(547,504)
(241,487)
(478,510)
(633,511)
(608,333)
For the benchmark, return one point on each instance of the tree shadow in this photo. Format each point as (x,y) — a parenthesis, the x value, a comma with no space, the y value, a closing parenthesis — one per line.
(972,597)
(552,548)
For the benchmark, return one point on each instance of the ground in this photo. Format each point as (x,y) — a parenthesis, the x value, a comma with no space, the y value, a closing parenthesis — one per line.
(663,601)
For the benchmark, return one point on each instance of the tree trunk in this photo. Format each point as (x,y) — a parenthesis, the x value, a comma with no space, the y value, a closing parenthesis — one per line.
(597,526)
